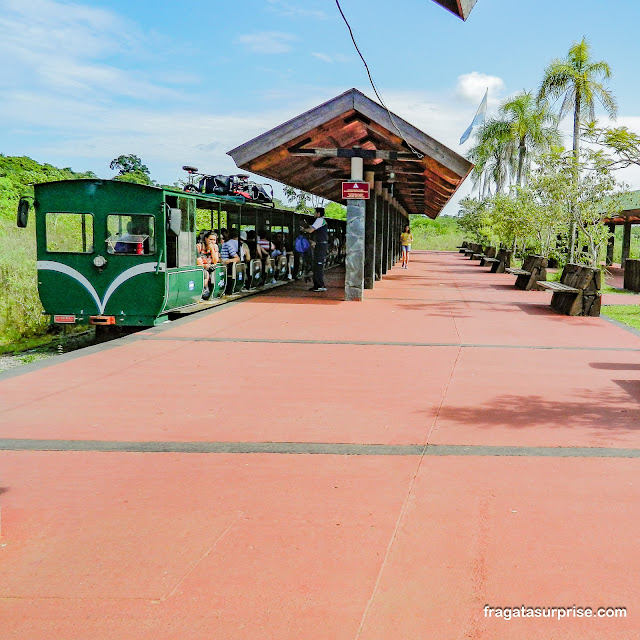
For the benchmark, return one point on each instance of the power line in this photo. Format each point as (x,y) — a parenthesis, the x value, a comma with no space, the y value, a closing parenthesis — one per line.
(366,66)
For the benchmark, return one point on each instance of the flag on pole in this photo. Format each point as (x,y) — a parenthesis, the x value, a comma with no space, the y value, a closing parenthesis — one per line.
(478,119)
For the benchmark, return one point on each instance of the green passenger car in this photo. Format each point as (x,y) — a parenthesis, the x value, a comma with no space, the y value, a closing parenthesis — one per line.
(123,254)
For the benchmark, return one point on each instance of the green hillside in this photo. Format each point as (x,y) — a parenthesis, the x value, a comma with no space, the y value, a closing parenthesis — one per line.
(20,309)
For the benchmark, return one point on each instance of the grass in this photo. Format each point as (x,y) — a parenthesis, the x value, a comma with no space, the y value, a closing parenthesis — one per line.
(627,314)
(442,234)
(26,344)
(21,314)
(606,288)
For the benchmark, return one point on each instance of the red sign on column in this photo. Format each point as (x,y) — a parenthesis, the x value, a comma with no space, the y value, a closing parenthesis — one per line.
(355,190)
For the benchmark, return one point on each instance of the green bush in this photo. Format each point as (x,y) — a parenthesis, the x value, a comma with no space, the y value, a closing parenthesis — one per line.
(21,314)
(441,234)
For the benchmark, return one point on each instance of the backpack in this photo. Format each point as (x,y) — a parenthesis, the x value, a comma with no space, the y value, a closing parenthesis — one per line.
(301,244)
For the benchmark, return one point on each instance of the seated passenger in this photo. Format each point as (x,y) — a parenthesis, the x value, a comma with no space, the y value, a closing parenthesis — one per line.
(255,248)
(208,257)
(278,250)
(265,243)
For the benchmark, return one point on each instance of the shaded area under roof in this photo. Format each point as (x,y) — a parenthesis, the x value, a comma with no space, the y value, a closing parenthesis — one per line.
(296,153)
(461,8)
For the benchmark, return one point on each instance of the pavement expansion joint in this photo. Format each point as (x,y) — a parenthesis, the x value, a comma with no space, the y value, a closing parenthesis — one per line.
(313,448)
(385,343)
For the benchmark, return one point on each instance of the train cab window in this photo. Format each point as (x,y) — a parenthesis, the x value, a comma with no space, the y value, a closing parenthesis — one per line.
(131,234)
(69,232)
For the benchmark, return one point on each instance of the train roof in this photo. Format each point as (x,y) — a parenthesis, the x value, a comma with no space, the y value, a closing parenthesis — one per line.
(203,200)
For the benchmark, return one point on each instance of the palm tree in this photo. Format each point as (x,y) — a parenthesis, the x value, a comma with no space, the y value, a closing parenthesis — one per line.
(490,155)
(580,82)
(532,128)
(505,144)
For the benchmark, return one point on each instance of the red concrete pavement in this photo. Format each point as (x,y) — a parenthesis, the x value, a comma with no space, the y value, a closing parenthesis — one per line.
(213,545)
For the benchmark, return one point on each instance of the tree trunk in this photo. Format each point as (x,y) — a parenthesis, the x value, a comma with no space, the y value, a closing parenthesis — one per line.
(576,156)
(521,152)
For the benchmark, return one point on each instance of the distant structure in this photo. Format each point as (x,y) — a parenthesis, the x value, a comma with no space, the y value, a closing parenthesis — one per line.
(460,8)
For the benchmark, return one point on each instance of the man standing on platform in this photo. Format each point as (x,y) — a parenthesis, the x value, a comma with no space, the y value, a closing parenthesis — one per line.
(320,236)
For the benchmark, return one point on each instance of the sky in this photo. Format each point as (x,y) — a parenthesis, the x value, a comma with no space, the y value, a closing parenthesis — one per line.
(181,83)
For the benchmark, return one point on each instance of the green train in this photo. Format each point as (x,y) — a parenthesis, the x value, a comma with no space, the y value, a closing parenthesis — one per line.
(124,254)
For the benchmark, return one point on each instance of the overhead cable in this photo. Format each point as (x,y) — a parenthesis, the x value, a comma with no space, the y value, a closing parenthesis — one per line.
(366,66)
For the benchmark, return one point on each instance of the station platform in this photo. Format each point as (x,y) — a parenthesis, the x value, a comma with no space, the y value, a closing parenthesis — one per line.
(295,466)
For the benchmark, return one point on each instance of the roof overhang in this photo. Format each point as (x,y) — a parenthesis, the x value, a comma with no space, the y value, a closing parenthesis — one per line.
(460,8)
(303,153)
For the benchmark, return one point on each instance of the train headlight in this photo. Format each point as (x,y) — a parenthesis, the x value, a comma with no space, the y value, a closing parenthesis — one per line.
(99,262)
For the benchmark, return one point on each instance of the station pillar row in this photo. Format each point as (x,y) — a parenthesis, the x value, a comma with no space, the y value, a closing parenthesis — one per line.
(370,233)
(377,195)
(372,238)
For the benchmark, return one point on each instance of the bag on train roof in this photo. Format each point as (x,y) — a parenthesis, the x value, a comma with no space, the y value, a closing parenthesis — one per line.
(301,244)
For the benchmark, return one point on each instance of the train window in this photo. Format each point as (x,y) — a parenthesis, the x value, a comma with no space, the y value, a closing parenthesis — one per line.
(69,232)
(132,234)
(187,237)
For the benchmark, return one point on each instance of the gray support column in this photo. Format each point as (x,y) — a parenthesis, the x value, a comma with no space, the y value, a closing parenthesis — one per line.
(370,234)
(379,219)
(385,231)
(626,242)
(387,235)
(393,236)
(611,244)
(354,262)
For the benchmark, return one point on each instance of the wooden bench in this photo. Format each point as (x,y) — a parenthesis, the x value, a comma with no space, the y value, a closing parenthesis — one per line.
(462,247)
(577,293)
(489,252)
(474,250)
(534,269)
(499,263)
(471,248)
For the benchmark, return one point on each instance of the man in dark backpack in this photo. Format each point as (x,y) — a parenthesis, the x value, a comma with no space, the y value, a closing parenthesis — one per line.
(320,236)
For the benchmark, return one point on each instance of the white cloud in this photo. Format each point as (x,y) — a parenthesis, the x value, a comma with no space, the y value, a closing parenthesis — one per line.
(289,10)
(322,56)
(325,57)
(267,42)
(472,86)
(58,46)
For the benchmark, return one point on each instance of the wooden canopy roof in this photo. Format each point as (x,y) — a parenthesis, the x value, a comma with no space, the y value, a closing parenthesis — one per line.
(461,8)
(630,203)
(312,152)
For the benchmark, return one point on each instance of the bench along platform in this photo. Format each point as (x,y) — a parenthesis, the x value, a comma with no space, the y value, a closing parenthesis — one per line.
(476,251)
(462,247)
(489,252)
(577,293)
(499,263)
(471,249)
(534,269)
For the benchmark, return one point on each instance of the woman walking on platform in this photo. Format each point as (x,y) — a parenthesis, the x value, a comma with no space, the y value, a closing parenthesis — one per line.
(406,238)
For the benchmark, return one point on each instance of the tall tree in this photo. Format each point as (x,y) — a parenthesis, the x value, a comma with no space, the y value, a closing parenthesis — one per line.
(129,163)
(579,81)
(505,144)
(490,155)
(532,128)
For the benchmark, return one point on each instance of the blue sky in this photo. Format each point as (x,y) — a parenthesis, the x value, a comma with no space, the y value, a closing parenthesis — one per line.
(182,83)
